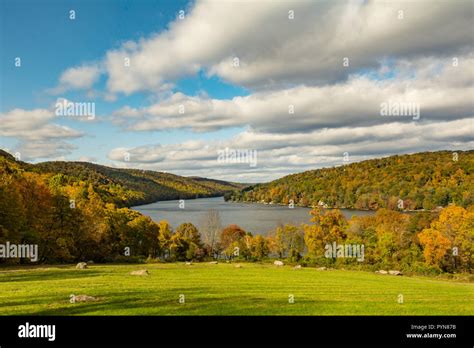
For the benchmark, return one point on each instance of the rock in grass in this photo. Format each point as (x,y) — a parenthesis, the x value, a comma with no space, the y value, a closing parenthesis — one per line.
(395,273)
(297,267)
(189,263)
(81,265)
(321,268)
(238,265)
(84,298)
(213,262)
(278,263)
(381,272)
(142,272)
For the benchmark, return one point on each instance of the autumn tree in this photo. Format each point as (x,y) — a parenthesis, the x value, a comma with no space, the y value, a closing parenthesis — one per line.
(211,228)
(232,241)
(449,242)
(186,242)
(328,227)
(289,242)
(259,248)
(164,238)
(435,246)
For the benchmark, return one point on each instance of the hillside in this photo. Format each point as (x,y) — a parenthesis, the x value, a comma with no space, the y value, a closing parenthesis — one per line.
(78,211)
(6,155)
(422,181)
(128,187)
(74,211)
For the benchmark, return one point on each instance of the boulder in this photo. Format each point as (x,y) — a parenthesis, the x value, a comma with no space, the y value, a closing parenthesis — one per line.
(278,263)
(189,263)
(84,298)
(297,267)
(321,268)
(213,262)
(142,272)
(395,273)
(81,265)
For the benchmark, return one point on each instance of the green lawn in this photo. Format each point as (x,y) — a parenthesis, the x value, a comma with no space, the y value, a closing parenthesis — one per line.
(223,289)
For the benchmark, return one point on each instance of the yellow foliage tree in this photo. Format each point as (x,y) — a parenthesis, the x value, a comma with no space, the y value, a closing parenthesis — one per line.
(454,229)
(435,246)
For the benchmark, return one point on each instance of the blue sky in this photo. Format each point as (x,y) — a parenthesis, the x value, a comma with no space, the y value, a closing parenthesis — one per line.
(284,62)
(48,42)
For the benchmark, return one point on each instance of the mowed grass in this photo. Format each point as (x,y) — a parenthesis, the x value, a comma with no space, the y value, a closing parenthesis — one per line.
(223,289)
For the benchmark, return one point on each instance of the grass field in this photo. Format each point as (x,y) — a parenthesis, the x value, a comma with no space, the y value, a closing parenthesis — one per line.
(223,289)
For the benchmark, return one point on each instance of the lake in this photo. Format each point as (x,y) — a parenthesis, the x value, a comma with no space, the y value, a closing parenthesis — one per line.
(252,217)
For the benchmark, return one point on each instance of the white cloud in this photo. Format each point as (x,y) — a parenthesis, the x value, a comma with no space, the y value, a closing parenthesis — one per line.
(38,136)
(276,52)
(33,125)
(281,154)
(76,78)
(44,149)
(443,92)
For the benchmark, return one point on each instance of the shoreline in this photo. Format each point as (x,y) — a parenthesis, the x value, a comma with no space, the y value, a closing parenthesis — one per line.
(171,199)
(339,208)
(284,205)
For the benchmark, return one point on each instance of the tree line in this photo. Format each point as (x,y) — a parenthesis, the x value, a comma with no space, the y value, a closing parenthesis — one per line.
(422,181)
(129,187)
(74,221)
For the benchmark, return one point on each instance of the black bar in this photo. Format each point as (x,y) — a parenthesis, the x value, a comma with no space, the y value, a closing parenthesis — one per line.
(161,331)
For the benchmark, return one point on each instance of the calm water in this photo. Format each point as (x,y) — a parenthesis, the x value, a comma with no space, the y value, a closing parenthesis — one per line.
(252,217)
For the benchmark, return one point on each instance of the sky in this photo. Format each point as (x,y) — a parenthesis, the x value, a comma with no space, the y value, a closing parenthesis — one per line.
(195,88)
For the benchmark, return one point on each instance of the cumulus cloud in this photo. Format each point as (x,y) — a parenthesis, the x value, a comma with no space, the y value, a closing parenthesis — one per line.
(38,136)
(33,125)
(275,51)
(56,150)
(77,78)
(281,154)
(443,92)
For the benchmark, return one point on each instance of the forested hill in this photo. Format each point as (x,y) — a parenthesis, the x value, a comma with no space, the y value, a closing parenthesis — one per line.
(422,181)
(123,187)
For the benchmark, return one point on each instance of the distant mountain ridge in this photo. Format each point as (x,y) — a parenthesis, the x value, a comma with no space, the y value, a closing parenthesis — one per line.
(128,187)
(404,182)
